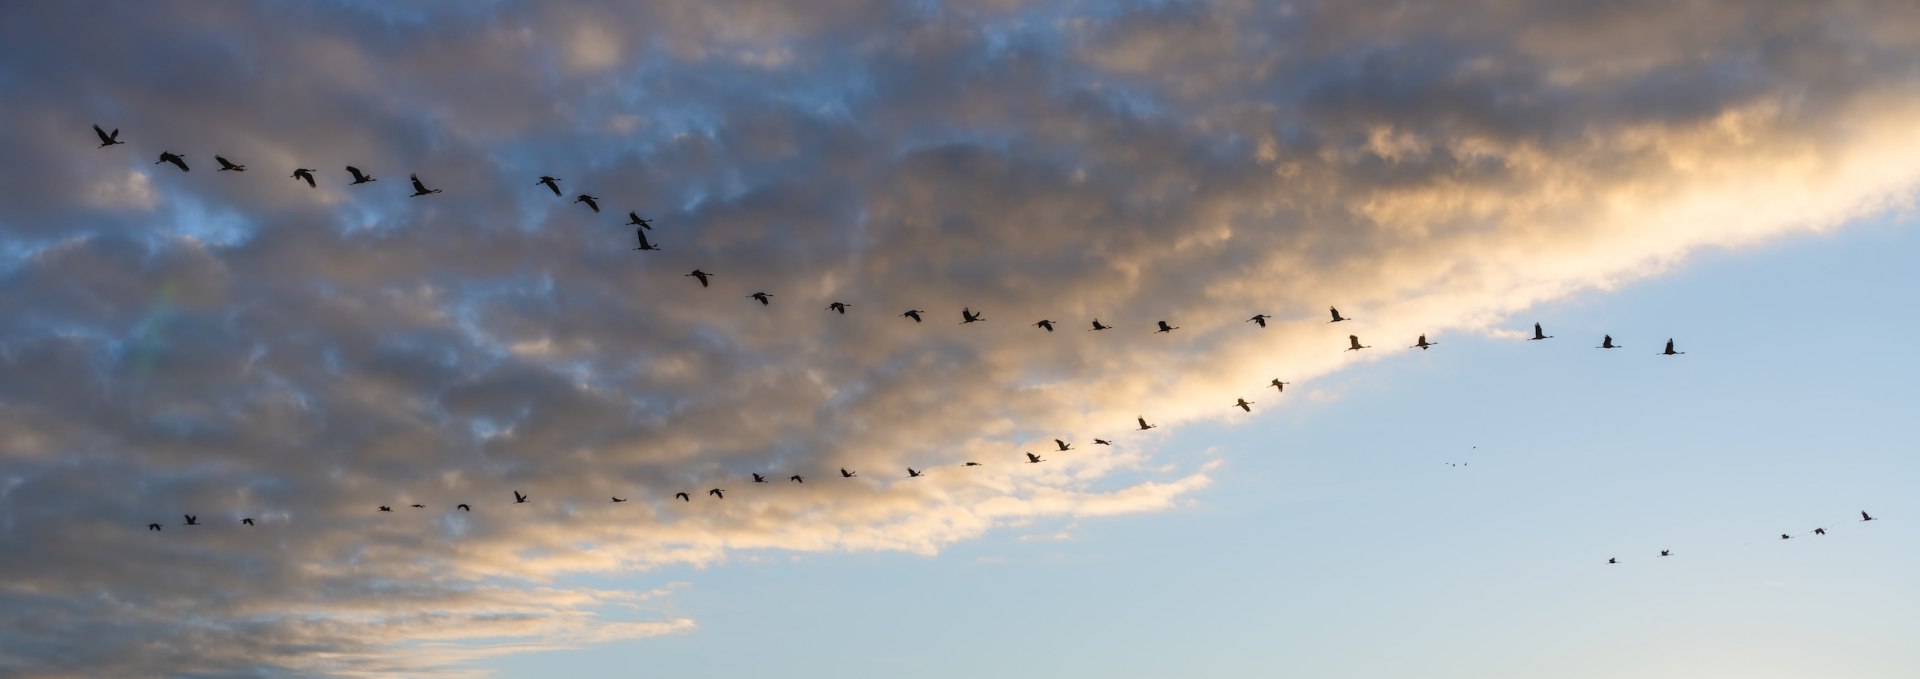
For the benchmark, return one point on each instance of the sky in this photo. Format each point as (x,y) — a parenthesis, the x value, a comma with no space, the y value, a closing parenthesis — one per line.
(1736,176)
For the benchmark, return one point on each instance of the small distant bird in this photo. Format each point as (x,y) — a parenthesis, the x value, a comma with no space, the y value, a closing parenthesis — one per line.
(913,473)
(968,316)
(759,479)
(1143,424)
(589,200)
(518,498)
(246,521)
(700,276)
(1336,315)
(683,497)
(1670,351)
(1279,385)
(420,189)
(150,526)
(1064,446)
(1167,328)
(385,508)
(108,138)
(1102,442)
(551,182)
(307,174)
(719,493)
(617,498)
(1353,343)
(1034,459)
(846,474)
(1664,552)
(1613,561)
(419,506)
(913,314)
(358,176)
(1865,516)
(1819,531)
(463,507)
(169,157)
(796,478)
(228,166)
(838,306)
(1260,319)
(1423,344)
(1244,404)
(1785,536)
(644,245)
(762,296)
(1098,326)
(1606,342)
(972,464)
(633,219)
(1044,325)
(1538,335)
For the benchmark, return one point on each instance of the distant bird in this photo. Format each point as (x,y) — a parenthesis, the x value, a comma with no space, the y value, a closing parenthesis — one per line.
(1102,442)
(1865,516)
(1785,536)
(1260,319)
(589,200)
(633,219)
(759,479)
(420,189)
(914,473)
(1034,459)
(846,474)
(968,316)
(419,506)
(1670,351)
(913,314)
(551,182)
(228,166)
(463,507)
(1606,342)
(518,498)
(796,478)
(717,492)
(1143,424)
(150,526)
(701,276)
(1064,446)
(358,176)
(1336,315)
(385,508)
(683,497)
(169,157)
(1167,328)
(617,498)
(1098,326)
(1538,335)
(246,521)
(304,173)
(1613,561)
(838,306)
(1819,531)
(762,296)
(1353,343)
(644,245)
(972,464)
(1279,385)
(1664,552)
(108,138)
(1244,404)
(1423,344)
(1044,325)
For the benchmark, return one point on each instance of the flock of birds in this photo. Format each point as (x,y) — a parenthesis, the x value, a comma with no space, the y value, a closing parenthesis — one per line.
(967,316)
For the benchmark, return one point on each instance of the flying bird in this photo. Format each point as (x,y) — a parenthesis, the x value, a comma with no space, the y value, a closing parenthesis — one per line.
(385,508)
(1167,328)
(108,138)
(304,173)
(796,478)
(1613,561)
(1044,325)
(644,245)
(246,521)
(914,473)
(759,479)
(1102,442)
(1865,516)
(1785,536)
(1538,335)
(846,474)
(913,314)
(968,316)
(1664,552)
(420,189)
(589,200)
(717,492)
(169,157)
(1260,319)
(228,166)
(1143,424)
(1279,385)
(683,497)
(358,176)
(518,498)
(1670,351)
(700,276)
(633,219)
(150,526)
(762,296)
(463,507)
(1353,343)
(617,498)
(1819,531)
(1034,459)
(1244,404)
(1098,326)
(1606,342)
(838,306)
(1336,315)
(1064,446)
(551,182)
(972,464)
(1423,344)
(419,506)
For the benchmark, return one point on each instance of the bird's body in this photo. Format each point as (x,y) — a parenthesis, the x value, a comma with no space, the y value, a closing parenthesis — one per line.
(796,478)
(914,473)
(1097,325)
(641,234)
(1353,343)
(1606,342)
(718,492)
(1244,404)
(1044,325)
(1102,442)
(1538,335)
(633,219)
(763,297)
(307,174)
(228,166)
(913,314)
(518,498)
(150,526)
(617,498)
(385,508)
(191,520)
(968,316)
(170,157)
(1167,328)
(700,276)
(971,464)
(847,474)
(1143,424)
(1064,446)
(1259,319)
(358,176)
(420,189)
(1670,351)
(683,497)
(1336,315)
(759,479)
(1665,552)
(419,506)
(108,139)
(1613,561)
(1279,385)
(551,183)
(1785,536)
(1865,516)
(1034,459)
(1423,344)
(463,507)
(247,521)
(591,201)
(838,306)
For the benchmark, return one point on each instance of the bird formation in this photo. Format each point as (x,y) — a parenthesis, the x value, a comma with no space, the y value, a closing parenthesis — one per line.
(1864,517)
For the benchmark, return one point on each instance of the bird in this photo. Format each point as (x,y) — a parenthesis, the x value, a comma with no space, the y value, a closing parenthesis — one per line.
(1336,315)
(1279,385)
(1613,561)
(1819,531)
(589,200)
(913,314)
(551,182)
(796,478)
(1244,405)
(304,173)
(246,521)
(1044,325)
(1167,328)
(1664,552)
(1143,424)
(1606,342)
(419,506)
(914,473)
(228,166)
(759,479)
(420,189)
(700,276)
(971,464)
(644,245)
(633,218)
(1098,326)
(718,492)
(518,498)
(358,176)
(846,474)
(968,316)
(1865,516)
(1102,442)
(1034,459)
(463,507)
(617,498)
(1064,446)
(169,157)
(838,306)
(762,296)
(683,497)
(1260,319)
(108,138)
(150,526)
(1353,343)
(1538,335)
(1423,343)
(1670,351)
(385,508)
(1785,536)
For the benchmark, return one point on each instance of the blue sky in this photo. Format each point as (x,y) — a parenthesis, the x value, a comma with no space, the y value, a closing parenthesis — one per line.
(1737,177)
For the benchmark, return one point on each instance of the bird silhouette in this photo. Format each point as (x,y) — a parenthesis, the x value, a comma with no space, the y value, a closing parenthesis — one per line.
(1785,536)
(1670,351)
(759,479)
(1034,459)
(633,219)
(307,174)
(589,200)
(683,497)
(1613,561)
(1336,315)
(1260,319)
(1664,552)
(228,166)
(246,521)
(1143,424)
(1865,516)
(796,478)
(385,508)
(1102,442)
(150,526)
(1279,385)
(1098,326)
(762,296)
(700,276)
(1423,344)
(551,183)
(968,316)
(913,314)
(1819,531)
(1244,404)
(644,245)
(838,306)
(463,507)
(972,464)
(169,157)
(846,474)
(358,176)
(419,506)
(914,473)
(1167,328)
(1606,342)
(717,492)
(1044,325)
(518,498)
(1353,343)
(108,138)
(1064,446)
(617,498)
(1538,335)
(420,189)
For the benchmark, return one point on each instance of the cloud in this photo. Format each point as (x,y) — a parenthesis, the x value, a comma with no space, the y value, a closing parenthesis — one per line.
(246,346)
